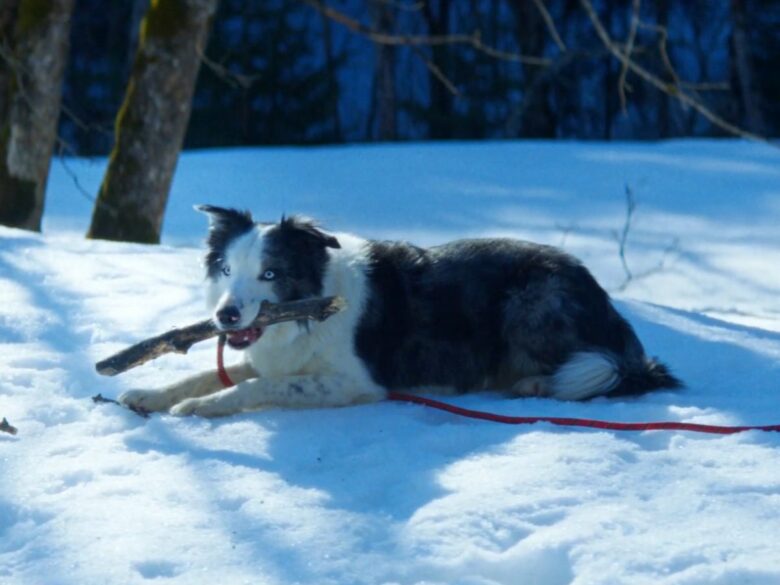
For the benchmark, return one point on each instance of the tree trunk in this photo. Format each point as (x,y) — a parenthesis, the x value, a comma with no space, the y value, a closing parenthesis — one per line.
(332,71)
(533,116)
(152,121)
(31,107)
(7,18)
(742,67)
(384,86)
(442,104)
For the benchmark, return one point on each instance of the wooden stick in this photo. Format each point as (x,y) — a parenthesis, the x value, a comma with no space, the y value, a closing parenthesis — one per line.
(6,427)
(181,340)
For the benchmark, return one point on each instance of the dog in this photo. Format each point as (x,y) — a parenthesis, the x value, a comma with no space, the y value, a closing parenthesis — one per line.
(480,314)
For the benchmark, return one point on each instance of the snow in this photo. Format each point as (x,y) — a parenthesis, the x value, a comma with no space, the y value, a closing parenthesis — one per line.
(395,493)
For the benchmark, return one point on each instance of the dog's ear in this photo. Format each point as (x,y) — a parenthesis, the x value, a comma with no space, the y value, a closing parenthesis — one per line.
(224,219)
(310,228)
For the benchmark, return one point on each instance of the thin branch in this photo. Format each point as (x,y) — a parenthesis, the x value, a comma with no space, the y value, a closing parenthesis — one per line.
(416,7)
(85,126)
(236,80)
(63,146)
(473,40)
(623,237)
(566,230)
(673,89)
(674,246)
(437,72)
(100,399)
(550,24)
(706,86)
(628,50)
(663,44)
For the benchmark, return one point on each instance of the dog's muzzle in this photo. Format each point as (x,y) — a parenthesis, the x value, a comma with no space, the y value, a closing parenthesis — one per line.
(243,338)
(227,318)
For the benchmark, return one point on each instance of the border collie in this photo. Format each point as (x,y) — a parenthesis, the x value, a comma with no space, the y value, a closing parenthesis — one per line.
(478,314)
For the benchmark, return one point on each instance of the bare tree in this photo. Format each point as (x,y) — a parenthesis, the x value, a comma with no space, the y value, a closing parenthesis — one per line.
(31,82)
(152,121)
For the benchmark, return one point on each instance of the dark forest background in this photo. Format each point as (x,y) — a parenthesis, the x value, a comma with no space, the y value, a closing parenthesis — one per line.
(279,72)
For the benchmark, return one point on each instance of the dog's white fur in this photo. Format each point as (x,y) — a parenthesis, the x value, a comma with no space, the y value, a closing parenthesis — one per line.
(289,366)
(585,375)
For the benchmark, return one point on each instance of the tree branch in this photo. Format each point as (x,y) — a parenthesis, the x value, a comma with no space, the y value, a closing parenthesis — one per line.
(622,240)
(236,80)
(629,49)
(623,237)
(673,89)
(550,24)
(436,71)
(473,40)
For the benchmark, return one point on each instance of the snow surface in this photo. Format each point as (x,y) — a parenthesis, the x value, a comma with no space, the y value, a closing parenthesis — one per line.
(394,493)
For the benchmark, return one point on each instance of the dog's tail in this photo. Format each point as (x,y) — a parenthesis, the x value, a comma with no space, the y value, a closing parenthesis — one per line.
(589,374)
(648,376)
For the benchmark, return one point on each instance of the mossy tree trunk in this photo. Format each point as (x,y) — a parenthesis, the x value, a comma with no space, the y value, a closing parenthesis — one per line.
(31,82)
(151,124)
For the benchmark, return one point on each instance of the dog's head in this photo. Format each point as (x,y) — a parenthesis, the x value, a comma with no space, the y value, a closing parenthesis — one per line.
(248,262)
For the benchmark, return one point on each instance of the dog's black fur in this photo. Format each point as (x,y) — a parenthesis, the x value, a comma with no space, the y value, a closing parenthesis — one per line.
(485,313)
(226,226)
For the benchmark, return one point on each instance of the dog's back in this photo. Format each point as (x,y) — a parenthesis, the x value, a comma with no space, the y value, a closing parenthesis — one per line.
(497,313)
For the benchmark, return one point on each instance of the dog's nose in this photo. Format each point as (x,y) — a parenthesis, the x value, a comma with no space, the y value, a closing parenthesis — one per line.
(229,315)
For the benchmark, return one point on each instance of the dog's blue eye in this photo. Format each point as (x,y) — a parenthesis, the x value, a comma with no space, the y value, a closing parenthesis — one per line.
(226,270)
(268,275)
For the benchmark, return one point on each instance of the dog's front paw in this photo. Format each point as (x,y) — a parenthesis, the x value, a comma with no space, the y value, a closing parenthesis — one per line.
(207,408)
(145,400)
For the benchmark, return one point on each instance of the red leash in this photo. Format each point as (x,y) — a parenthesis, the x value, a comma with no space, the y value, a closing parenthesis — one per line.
(221,372)
(579,422)
(529,420)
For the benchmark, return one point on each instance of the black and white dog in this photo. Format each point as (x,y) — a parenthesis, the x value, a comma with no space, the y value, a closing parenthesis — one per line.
(494,314)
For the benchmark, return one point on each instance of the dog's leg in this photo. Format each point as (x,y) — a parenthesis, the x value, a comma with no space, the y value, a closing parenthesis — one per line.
(532,387)
(284,392)
(195,386)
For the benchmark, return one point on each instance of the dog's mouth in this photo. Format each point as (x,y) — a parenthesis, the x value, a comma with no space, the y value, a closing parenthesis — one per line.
(243,338)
